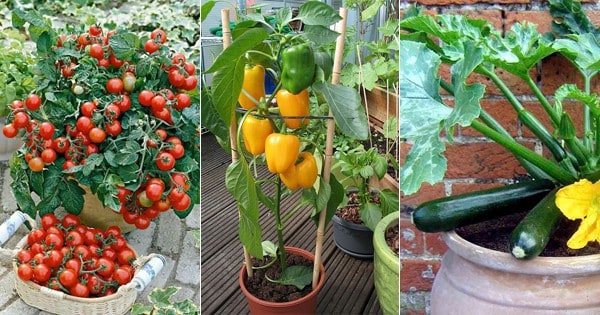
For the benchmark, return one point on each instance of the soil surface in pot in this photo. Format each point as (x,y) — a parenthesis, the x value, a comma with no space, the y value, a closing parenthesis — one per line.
(391,238)
(495,234)
(266,290)
(350,211)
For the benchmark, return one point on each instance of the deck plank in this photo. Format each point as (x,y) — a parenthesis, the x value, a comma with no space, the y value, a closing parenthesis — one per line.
(348,285)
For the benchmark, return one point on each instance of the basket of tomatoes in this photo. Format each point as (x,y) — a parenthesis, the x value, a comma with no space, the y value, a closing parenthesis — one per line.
(65,267)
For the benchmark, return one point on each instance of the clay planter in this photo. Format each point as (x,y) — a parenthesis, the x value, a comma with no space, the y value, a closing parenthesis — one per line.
(305,305)
(94,214)
(477,280)
(353,239)
(386,267)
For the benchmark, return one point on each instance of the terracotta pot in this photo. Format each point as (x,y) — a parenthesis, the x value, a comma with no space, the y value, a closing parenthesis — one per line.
(94,214)
(305,305)
(386,266)
(353,239)
(477,280)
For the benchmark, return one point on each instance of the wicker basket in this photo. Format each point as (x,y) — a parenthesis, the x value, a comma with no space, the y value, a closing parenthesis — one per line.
(58,302)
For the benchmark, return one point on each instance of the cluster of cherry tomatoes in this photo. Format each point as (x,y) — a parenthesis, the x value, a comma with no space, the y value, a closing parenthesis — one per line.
(66,256)
(97,122)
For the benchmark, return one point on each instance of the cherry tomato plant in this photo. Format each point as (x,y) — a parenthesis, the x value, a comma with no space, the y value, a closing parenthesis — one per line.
(66,256)
(106,114)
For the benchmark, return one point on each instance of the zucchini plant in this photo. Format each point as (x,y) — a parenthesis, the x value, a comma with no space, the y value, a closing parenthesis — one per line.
(474,47)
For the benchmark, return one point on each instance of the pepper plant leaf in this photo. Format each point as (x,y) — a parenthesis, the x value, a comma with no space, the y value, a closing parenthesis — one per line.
(348,112)
(299,276)
(370,214)
(317,13)
(240,184)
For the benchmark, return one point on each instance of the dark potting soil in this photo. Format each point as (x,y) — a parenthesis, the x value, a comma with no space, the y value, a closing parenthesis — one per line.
(391,238)
(350,211)
(495,234)
(266,290)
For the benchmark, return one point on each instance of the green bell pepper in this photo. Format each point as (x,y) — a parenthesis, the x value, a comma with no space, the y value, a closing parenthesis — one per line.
(298,68)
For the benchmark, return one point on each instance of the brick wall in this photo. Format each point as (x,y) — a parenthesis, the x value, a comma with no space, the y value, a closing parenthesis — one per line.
(473,163)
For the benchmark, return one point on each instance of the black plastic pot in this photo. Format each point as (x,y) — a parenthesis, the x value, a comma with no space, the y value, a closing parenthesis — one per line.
(353,239)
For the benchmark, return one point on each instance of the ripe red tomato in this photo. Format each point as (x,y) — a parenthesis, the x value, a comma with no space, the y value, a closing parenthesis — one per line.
(36,164)
(70,220)
(173,140)
(74,238)
(54,240)
(109,254)
(121,275)
(46,130)
(181,204)
(125,256)
(96,51)
(97,135)
(183,101)
(91,149)
(88,108)
(67,278)
(151,212)
(190,83)
(53,258)
(79,290)
(163,114)
(114,128)
(20,120)
(181,180)
(119,244)
(176,78)
(145,97)
(95,30)
(165,161)
(61,144)
(84,124)
(162,205)
(25,272)
(94,285)
(68,70)
(41,273)
(189,68)
(124,104)
(112,111)
(161,133)
(114,86)
(115,62)
(33,102)
(82,252)
(105,267)
(151,46)
(177,151)
(178,58)
(159,35)
(158,103)
(35,236)
(103,63)
(113,230)
(9,131)
(154,192)
(48,155)
(16,104)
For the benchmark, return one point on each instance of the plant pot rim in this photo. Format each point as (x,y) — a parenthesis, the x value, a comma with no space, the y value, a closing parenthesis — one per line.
(350,225)
(379,236)
(506,262)
(314,292)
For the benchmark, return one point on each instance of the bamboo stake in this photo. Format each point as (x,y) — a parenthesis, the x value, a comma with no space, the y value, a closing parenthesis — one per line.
(233,127)
(335,79)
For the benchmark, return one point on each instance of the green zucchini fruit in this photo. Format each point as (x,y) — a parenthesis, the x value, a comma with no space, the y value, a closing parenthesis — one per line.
(448,213)
(532,234)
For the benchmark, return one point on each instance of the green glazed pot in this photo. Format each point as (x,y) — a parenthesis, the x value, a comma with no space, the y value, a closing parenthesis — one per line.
(386,266)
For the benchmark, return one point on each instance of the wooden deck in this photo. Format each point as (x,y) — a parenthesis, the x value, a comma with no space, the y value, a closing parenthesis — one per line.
(348,283)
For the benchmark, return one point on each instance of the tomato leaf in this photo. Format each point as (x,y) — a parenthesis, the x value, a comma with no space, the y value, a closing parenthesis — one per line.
(124,45)
(71,196)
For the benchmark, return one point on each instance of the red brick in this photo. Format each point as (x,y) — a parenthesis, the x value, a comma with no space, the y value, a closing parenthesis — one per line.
(556,71)
(575,110)
(463,188)
(414,312)
(542,19)
(411,239)
(594,17)
(538,111)
(426,193)
(434,244)
(502,111)
(417,274)
(514,83)
(486,160)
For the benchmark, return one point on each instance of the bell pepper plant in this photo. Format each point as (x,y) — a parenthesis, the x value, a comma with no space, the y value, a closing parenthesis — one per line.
(114,111)
(279,134)
(474,46)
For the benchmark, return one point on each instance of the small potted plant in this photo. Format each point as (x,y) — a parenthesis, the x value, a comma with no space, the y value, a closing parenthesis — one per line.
(386,263)
(113,121)
(354,223)
(282,136)
(556,205)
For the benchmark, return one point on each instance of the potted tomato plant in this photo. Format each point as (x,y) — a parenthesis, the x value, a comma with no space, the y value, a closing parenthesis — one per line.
(274,130)
(113,118)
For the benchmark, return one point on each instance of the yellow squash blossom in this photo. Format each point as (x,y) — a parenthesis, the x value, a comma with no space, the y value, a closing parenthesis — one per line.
(581,200)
